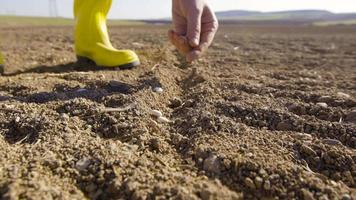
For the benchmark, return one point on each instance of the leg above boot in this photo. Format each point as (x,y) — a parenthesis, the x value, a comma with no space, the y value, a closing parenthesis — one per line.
(92,39)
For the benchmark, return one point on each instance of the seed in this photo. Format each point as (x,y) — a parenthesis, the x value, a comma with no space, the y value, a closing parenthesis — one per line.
(324,105)
(81,90)
(343,95)
(156,113)
(163,120)
(158,89)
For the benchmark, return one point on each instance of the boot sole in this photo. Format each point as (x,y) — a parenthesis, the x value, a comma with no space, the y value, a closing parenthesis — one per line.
(127,66)
(2,69)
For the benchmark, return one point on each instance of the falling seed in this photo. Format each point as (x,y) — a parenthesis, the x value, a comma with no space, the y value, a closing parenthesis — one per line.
(156,113)
(158,89)
(163,120)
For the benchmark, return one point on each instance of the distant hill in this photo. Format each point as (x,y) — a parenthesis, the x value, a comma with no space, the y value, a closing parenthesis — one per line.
(295,15)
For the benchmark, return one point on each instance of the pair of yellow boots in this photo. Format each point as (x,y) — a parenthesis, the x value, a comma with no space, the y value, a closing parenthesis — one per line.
(92,39)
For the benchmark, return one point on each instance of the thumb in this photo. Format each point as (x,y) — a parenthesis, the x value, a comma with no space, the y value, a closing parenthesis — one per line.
(194,27)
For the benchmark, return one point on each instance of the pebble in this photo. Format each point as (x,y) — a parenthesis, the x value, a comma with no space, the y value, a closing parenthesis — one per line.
(343,95)
(64,116)
(258,182)
(267,185)
(346,197)
(82,164)
(156,113)
(249,183)
(17,119)
(212,164)
(163,120)
(158,89)
(323,105)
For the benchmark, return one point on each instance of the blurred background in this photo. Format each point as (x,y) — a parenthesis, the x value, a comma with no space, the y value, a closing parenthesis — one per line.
(314,11)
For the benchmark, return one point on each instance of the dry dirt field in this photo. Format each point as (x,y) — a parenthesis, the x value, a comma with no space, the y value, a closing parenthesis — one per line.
(269,113)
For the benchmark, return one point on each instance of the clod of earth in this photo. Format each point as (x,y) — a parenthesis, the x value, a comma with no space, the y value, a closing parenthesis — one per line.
(351,117)
(83,164)
(212,164)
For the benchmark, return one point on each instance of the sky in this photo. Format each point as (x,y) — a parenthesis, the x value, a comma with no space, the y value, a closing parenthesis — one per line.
(155,9)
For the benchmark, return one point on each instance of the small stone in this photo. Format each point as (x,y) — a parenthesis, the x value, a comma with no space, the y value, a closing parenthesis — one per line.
(267,185)
(258,182)
(346,197)
(17,119)
(343,95)
(64,116)
(156,113)
(163,120)
(175,103)
(249,183)
(323,105)
(82,164)
(262,172)
(212,164)
(284,126)
(157,89)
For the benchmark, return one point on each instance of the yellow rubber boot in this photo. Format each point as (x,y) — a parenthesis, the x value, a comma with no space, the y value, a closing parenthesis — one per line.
(1,64)
(1,60)
(92,39)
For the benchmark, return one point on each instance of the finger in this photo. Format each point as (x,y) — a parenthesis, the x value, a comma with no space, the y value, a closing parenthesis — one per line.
(179,23)
(194,26)
(170,36)
(209,27)
(178,20)
(180,42)
(193,55)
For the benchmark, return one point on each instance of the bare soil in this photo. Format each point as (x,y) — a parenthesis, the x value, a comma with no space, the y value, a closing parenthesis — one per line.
(269,113)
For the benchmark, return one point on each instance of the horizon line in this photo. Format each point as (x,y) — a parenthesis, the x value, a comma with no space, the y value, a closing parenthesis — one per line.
(168,17)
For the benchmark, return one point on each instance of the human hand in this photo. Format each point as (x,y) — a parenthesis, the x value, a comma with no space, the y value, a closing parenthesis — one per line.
(195,26)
